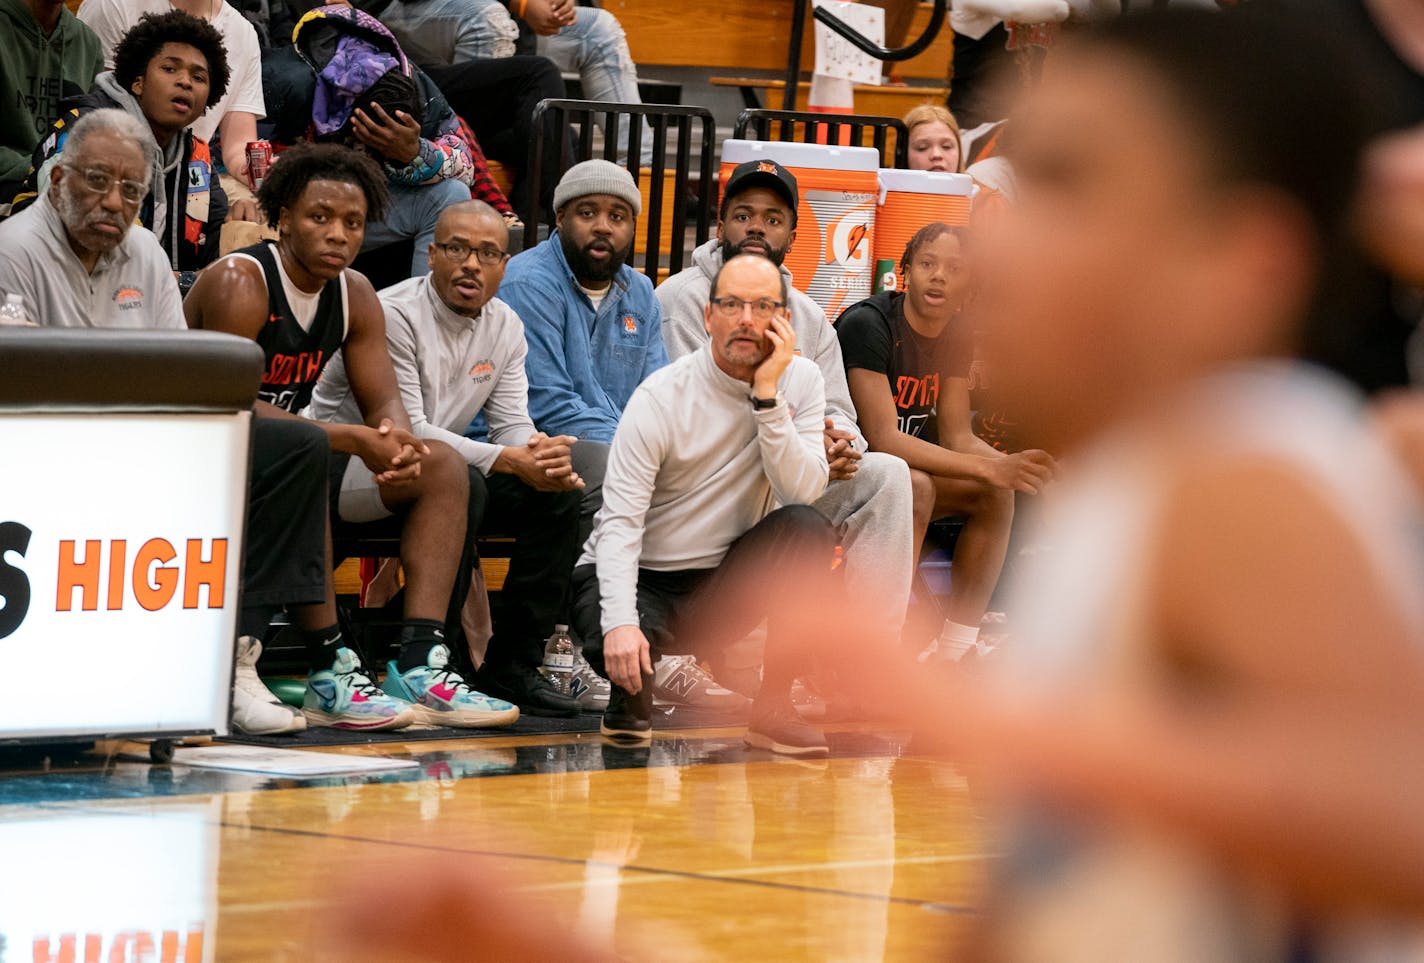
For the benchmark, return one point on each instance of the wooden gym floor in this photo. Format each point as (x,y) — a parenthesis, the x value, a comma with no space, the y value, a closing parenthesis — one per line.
(695,849)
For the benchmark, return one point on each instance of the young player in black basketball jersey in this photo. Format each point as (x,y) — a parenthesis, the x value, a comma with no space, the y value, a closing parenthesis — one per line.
(298,300)
(907,356)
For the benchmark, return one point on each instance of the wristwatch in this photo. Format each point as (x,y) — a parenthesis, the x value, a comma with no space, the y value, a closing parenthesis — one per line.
(766,404)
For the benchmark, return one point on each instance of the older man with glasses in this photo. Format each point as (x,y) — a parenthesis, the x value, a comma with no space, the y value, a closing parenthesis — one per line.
(869,498)
(458,352)
(76,256)
(706,527)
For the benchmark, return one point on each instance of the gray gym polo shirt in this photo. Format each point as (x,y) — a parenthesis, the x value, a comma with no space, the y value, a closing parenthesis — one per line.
(132,286)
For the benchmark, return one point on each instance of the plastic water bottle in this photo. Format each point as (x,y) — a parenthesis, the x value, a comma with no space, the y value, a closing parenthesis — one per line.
(559,659)
(13,312)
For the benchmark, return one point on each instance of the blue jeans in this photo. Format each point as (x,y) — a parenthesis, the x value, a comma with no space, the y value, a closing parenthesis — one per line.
(596,48)
(412,214)
(444,32)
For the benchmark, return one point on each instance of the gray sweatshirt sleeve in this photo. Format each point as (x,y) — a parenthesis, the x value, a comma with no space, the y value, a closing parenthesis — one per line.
(507,409)
(793,450)
(168,303)
(825,350)
(400,338)
(683,330)
(633,461)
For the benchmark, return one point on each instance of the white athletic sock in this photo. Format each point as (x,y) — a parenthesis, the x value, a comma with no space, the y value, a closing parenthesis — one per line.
(956,639)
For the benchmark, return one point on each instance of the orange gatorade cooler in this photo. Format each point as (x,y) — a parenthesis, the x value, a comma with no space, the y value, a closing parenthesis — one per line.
(908,201)
(838,187)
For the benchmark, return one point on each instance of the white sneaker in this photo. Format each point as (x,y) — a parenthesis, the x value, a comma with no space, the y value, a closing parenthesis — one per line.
(679,680)
(255,710)
(589,689)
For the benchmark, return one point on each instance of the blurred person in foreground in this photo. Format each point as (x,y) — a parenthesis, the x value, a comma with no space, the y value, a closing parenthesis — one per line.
(1215,685)
(1228,636)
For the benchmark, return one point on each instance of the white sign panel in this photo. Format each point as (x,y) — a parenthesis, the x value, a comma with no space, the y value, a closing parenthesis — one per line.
(120,560)
(835,57)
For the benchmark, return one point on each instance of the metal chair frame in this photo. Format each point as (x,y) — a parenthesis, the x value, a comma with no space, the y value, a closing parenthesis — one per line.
(758,123)
(553,117)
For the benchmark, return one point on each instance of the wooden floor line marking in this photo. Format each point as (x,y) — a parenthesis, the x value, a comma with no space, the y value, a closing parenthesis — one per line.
(626,867)
(852,864)
(574,861)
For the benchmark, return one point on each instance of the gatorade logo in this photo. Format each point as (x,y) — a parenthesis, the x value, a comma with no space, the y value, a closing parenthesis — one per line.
(845,241)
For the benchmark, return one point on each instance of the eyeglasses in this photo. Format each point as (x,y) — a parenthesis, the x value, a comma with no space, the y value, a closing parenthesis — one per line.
(763,309)
(458,251)
(102,182)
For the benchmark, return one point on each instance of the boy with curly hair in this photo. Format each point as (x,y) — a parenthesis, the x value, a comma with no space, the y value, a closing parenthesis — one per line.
(167,70)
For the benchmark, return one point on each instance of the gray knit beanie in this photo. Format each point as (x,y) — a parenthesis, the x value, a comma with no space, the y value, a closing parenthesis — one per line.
(598,177)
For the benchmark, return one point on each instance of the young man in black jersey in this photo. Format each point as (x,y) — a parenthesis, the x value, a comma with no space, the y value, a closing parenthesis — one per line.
(907,356)
(297,300)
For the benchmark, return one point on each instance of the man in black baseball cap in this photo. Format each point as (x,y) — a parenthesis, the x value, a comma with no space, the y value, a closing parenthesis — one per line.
(869,494)
(748,180)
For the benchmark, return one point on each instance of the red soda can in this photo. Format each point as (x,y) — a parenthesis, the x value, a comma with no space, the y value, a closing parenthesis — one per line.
(259,161)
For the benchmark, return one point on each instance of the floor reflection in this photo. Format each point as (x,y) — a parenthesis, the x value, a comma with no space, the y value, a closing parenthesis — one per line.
(135,882)
(93,776)
(694,847)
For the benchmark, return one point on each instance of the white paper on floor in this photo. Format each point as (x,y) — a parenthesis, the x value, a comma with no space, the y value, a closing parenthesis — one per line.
(283,762)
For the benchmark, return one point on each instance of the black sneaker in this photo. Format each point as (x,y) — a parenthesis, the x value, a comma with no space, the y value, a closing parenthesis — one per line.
(629,718)
(527,688)
(780,728)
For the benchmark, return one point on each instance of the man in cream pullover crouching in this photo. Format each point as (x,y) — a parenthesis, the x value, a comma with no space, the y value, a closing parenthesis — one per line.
(706,528)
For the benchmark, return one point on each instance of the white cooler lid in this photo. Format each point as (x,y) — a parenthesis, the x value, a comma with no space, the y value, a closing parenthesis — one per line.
(924,182)
(812,156)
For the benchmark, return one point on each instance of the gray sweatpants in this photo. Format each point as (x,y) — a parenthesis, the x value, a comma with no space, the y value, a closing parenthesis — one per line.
(874,511)
(590,461)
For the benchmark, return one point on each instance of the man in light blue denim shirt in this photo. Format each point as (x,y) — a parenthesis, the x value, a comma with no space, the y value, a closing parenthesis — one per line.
(593,324)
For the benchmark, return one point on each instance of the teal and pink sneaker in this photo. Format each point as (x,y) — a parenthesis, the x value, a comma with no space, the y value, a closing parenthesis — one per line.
(344,697)
(439,697)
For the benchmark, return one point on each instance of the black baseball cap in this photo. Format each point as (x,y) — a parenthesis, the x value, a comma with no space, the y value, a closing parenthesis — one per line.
(761,173)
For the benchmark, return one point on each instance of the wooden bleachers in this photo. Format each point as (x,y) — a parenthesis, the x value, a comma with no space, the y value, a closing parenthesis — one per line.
(870,101)
(502,175)
(746,35)
(347,577)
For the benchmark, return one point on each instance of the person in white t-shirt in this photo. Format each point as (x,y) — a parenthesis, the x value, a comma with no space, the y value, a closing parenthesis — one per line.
(234,117)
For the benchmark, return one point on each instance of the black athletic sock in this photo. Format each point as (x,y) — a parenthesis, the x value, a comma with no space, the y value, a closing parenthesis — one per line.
(321,646)
(417,638)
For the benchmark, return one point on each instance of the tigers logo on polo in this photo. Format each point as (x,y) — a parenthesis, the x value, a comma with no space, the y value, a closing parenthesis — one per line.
(129,298)
(629,324)
(482,372)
